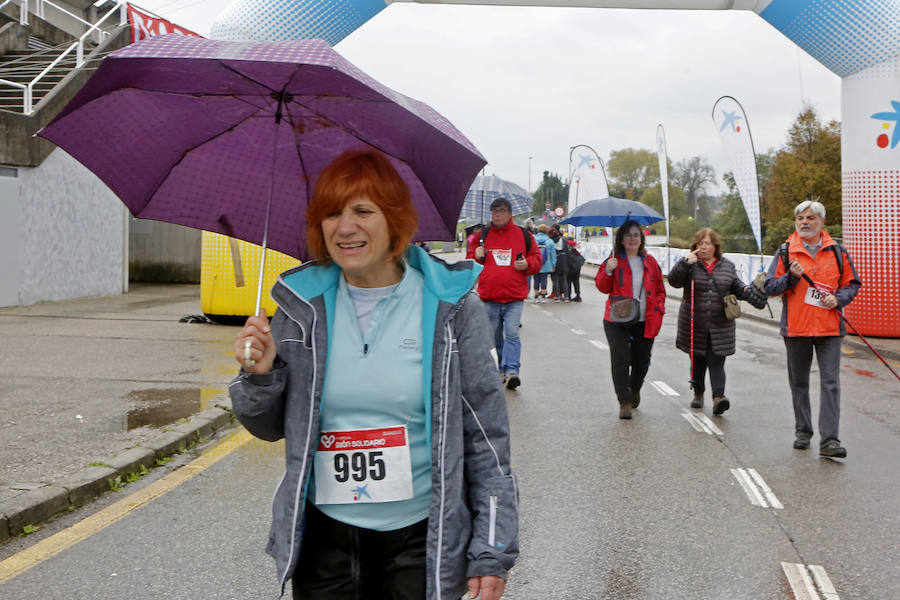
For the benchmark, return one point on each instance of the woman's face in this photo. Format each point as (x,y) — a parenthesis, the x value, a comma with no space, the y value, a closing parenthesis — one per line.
(632,240)
(706,250)
(358,240)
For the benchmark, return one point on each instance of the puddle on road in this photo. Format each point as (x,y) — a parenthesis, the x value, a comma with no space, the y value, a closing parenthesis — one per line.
(158,407)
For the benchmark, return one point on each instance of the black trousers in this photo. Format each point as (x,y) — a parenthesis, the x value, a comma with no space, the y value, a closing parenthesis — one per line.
(629,353)
(560,283)
(716,366)
(574,280)
(343,562)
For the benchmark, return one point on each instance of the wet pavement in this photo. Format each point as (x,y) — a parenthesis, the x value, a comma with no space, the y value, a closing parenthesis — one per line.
(85,380)
(646,509)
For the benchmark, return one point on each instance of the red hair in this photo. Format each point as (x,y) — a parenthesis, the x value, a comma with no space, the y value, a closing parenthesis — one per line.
(361,173)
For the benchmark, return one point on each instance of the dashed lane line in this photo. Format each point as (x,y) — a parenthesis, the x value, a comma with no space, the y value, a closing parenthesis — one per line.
(53,545)
(664,388)
(579,332)
(702,423)
(806,587)
(600,344)
(756,488)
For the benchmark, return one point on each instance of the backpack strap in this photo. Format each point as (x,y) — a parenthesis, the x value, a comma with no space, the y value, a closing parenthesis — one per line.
(836,248)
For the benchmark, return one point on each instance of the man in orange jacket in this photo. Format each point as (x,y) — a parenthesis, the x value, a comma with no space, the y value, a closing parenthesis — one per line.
(810,320)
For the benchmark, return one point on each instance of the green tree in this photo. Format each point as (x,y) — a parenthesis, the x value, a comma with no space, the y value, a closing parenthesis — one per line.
(551,190)
(808,167)
(732,223)
(631,172)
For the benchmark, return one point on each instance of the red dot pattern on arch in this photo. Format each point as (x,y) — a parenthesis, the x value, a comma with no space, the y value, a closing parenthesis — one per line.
(871,212)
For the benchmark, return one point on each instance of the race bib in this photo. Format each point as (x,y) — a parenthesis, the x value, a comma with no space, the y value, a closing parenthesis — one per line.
(502,258)
(815,294)
(366,465)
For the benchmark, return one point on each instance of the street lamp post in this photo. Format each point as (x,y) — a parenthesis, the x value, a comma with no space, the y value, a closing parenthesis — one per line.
(529,174)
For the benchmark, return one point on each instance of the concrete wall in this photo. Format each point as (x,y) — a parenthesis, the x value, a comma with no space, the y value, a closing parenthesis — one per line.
(62,234)
(163,252)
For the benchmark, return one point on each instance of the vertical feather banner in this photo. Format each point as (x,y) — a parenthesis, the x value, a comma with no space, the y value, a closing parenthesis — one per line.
(734,131)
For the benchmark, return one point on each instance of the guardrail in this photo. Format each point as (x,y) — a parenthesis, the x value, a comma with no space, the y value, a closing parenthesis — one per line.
(27,101)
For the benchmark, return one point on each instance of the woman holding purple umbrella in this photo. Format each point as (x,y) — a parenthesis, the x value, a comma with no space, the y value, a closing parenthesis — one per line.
(376,370)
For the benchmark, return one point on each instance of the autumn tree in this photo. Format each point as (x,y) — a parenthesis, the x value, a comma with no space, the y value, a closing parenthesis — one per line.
(631,172)
(808,167)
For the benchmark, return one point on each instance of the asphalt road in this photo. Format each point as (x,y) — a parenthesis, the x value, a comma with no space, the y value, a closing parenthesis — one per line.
(642,509)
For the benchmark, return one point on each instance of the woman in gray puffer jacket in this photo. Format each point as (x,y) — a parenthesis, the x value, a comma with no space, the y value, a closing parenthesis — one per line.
(714,277)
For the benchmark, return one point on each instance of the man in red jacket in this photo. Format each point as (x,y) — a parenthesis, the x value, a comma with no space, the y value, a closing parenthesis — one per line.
(509,254)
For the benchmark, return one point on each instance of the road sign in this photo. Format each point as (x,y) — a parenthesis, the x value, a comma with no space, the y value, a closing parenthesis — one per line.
(559,211)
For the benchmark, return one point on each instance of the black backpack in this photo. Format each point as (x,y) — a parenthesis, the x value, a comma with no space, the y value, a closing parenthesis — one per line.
(525,234)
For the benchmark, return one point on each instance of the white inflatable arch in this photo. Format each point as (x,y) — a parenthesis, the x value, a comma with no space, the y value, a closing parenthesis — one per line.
(859,40)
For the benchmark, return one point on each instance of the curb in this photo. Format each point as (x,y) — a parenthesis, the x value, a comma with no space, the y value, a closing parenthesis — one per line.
(38,505)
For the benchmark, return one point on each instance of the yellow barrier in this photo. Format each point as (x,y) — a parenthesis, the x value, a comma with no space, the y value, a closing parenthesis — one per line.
(229,269)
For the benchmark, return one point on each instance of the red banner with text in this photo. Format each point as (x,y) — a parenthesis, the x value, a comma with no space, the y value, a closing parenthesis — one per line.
(145,26)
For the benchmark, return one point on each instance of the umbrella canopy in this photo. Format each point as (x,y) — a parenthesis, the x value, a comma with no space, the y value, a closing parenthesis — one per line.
(611,212)
(215,135)
(485,189)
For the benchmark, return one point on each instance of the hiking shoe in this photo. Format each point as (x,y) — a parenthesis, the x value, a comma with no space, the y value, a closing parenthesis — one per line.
(576,299)
(832,449)
(625,410)
(801,442)
(635,398)
(513,381)
(720,405)
(697,402)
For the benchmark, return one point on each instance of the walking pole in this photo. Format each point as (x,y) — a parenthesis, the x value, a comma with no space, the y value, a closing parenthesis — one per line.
(861,336)
(691,380)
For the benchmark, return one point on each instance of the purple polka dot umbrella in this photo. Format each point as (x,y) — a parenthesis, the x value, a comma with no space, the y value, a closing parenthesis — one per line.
(230,137)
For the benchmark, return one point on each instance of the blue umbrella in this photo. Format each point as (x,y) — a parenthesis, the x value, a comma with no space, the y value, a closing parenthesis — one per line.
(485,189)
(611,212)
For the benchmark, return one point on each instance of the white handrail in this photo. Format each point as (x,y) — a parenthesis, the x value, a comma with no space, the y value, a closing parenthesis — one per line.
(78,46)
(39,11)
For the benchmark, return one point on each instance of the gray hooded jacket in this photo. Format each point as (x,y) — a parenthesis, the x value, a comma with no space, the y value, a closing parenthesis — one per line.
(473,515)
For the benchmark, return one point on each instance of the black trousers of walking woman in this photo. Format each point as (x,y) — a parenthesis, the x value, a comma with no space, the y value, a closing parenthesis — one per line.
(629,354)
(343,562)
(716,366)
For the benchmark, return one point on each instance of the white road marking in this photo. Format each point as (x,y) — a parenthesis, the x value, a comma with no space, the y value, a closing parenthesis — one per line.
(801,584)
(709,424)
(547,312)
(824,583)
(798,576)
(755,488)
(766,490)
(663,388)
(701,423)
(697,425)
(600,344)
(579,332)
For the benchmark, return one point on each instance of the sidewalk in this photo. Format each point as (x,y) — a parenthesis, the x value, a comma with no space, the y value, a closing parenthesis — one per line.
(115,382)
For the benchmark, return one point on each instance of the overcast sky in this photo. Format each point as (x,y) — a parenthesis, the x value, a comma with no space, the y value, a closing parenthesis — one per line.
(532,82)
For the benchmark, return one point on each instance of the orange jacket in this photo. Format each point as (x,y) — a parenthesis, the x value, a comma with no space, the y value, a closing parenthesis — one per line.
(798,317)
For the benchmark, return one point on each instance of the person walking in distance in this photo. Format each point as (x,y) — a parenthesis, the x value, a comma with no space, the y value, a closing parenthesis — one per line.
(509,254)
(816,279)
